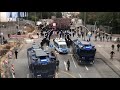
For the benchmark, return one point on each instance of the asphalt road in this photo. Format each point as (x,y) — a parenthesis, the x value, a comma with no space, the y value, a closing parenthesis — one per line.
(99,70)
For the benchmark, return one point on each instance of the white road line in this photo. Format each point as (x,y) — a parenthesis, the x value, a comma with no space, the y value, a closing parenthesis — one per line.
(65,65)
(13,75)
(86,67)
(73,62)
(70,50)
(27,75)
(56,75)
(80,75)
(99,46)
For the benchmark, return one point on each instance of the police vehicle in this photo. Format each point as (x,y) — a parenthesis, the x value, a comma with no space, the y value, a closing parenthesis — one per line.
(83,51)
(40,64)
(60,45)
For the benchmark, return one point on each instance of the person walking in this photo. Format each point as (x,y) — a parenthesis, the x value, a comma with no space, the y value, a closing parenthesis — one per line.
(113,46)
(110,37)
(57,64)
(118,46)
(73,34)
(38,34)
(68,65)
(16,53)
(111,54)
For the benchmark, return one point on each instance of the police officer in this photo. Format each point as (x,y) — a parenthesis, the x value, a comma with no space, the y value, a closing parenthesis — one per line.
(68,65)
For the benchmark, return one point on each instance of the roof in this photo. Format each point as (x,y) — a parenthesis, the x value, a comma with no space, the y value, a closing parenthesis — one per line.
(85,43)
(60,40)
(40,52)
(61,43)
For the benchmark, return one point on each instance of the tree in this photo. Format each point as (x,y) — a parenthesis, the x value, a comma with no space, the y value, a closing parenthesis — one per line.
(58,15)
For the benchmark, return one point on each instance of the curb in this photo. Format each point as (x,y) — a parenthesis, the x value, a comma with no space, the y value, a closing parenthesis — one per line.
(109,64)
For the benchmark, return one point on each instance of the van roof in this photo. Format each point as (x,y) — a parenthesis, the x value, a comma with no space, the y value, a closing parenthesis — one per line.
(40,52)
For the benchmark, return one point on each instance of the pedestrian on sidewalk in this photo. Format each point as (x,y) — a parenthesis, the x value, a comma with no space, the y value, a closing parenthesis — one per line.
(118,46)
(111,54)
(113,46)
(57,64)
(16,52)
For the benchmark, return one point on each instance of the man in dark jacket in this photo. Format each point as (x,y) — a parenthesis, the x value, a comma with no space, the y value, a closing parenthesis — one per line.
(118,46)
(16,52)
(68,65)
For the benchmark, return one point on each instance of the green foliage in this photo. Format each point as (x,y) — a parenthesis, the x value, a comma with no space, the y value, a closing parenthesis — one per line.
(111,19)
(58,15)
(41,15)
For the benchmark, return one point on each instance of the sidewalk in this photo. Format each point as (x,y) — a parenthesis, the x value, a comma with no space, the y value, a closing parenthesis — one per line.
(6,68)
(105,48)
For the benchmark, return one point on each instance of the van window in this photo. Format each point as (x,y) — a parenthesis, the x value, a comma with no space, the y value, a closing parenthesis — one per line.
(63,46)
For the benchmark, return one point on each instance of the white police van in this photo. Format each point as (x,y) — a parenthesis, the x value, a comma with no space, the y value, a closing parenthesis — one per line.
(60,45)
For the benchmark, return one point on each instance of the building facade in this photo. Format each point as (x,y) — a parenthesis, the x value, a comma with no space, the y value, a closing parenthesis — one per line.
(11,16)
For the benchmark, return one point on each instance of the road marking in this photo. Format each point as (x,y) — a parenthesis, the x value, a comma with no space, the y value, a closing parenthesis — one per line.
(99,46)
(27,75)
(68,74)
(13,75)
(80,75)
(73,62)
(70,50)
(56,75)
(65,65)
(86,67)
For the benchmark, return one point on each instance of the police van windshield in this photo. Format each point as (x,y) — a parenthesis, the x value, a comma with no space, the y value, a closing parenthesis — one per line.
(87,52)
(42,68)
(43,57)
(63,46)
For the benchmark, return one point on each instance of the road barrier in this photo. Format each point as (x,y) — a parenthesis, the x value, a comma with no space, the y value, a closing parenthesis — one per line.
(13,70)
